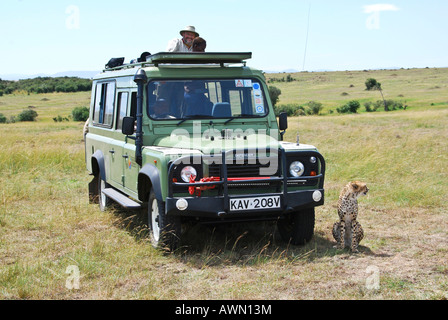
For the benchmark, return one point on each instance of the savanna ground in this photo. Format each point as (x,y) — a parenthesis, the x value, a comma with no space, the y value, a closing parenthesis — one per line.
(48,228)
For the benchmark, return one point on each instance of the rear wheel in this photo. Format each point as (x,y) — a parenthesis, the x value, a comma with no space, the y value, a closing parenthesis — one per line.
(103,200)
(298,227)
(164,230)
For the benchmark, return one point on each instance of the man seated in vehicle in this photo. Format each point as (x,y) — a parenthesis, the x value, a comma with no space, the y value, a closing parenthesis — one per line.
(195,102)
(161,110)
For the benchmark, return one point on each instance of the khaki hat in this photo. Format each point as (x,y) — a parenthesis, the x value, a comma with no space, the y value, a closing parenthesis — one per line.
(189,29)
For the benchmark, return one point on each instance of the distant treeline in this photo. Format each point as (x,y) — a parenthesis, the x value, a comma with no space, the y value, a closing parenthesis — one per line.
(46,85)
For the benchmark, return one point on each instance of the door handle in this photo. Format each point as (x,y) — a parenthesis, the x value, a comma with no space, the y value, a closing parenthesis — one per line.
(112,151)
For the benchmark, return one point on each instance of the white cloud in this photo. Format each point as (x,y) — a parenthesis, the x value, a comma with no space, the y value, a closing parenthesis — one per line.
(380,7)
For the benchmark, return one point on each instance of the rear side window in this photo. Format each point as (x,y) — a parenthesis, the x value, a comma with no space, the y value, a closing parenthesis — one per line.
(103,113)
(122,106)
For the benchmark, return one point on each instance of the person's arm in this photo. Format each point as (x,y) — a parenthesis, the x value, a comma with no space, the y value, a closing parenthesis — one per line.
(173,45)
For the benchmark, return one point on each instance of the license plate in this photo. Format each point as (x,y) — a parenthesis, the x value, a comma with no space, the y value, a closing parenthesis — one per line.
(255,203)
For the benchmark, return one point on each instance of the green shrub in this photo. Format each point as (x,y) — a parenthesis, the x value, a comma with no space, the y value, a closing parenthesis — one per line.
(370,106)
(290,109)
(2,118)
(314,108)
(60,119)
(350,107)
(389,105)
(27,115)
(80,114)
(274,93)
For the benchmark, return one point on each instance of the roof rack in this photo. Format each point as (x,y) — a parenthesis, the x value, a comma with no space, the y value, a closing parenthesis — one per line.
(220,58)
(199,57)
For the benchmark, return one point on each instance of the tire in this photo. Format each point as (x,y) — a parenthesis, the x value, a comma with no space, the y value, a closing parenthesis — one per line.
(164,230)
(298,227)
(103,200)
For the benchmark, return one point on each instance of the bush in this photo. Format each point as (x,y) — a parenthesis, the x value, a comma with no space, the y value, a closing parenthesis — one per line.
(2,118)
(80,114)
(389,105)
(60,119)
(370,106)
(274,93)
(372,84)
(290,109)
(350,107)
(27,115)
(314,108)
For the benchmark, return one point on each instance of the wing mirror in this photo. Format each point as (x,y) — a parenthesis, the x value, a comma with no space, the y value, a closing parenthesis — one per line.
(128,126)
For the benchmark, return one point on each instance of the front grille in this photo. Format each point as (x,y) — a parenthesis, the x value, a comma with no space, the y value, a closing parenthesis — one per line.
(238,170)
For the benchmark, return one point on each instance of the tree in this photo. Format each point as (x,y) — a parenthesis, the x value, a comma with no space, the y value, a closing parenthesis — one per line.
(372,84)
(274,93)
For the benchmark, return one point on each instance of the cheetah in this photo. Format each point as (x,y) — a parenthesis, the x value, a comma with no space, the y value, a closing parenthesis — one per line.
(348,231)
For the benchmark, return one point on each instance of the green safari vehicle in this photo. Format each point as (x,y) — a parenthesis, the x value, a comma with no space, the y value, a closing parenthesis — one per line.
(193,136)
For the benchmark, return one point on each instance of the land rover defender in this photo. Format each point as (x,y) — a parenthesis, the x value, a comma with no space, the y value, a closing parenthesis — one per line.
(194,136)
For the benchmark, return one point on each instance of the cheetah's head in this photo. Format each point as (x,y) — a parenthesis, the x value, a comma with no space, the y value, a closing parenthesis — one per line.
(359,188)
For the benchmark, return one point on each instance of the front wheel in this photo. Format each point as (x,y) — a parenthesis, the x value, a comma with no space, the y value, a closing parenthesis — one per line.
(164,230)
(297,228)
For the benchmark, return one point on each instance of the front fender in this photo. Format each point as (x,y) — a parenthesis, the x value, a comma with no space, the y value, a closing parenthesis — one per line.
(149,176)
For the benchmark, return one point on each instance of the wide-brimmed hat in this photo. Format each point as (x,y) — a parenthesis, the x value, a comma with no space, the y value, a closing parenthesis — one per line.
(189,29)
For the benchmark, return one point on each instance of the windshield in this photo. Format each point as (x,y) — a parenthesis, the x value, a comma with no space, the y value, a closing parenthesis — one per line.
(206,99)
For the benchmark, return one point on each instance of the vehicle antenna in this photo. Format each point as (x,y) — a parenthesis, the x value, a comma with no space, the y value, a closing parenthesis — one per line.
(307,33)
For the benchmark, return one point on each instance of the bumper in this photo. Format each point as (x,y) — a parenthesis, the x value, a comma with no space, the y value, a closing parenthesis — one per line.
(227,205)
(220,207)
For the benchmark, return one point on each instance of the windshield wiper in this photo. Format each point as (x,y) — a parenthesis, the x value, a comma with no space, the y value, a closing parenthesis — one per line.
(241,116)
(195,116)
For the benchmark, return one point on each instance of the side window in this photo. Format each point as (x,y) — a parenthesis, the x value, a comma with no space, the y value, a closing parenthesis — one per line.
(103,113)
(122,108)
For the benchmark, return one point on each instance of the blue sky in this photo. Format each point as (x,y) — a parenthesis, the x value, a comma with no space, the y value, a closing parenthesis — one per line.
(41,36)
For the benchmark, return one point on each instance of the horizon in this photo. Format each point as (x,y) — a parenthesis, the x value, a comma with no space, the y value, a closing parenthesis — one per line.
(17,77)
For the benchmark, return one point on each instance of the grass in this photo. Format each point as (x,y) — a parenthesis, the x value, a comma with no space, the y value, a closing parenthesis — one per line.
(417,88)
(47,225)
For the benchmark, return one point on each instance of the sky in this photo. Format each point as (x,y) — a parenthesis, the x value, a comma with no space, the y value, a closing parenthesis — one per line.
(47,37)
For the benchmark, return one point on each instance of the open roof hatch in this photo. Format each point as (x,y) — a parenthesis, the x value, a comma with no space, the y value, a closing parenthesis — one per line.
(198,58)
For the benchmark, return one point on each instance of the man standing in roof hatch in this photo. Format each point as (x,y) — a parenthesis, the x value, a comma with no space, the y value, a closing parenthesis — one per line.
(186,43)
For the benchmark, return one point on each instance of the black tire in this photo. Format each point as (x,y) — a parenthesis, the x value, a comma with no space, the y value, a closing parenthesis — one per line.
(103,200)
(297,228)
(164,230)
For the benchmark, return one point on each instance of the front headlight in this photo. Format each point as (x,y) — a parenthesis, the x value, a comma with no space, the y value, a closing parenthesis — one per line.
(187,172)
(296,169)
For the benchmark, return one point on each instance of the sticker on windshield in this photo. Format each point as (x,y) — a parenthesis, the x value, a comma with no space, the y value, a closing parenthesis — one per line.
(239,83)
(248,83)
(256,86)
(259,109)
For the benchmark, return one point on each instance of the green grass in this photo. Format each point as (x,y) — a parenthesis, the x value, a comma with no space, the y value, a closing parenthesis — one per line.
(417,88)
(47,224)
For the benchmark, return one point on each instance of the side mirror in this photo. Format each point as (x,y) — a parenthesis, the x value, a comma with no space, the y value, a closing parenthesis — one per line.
(283,121)
(128,126)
